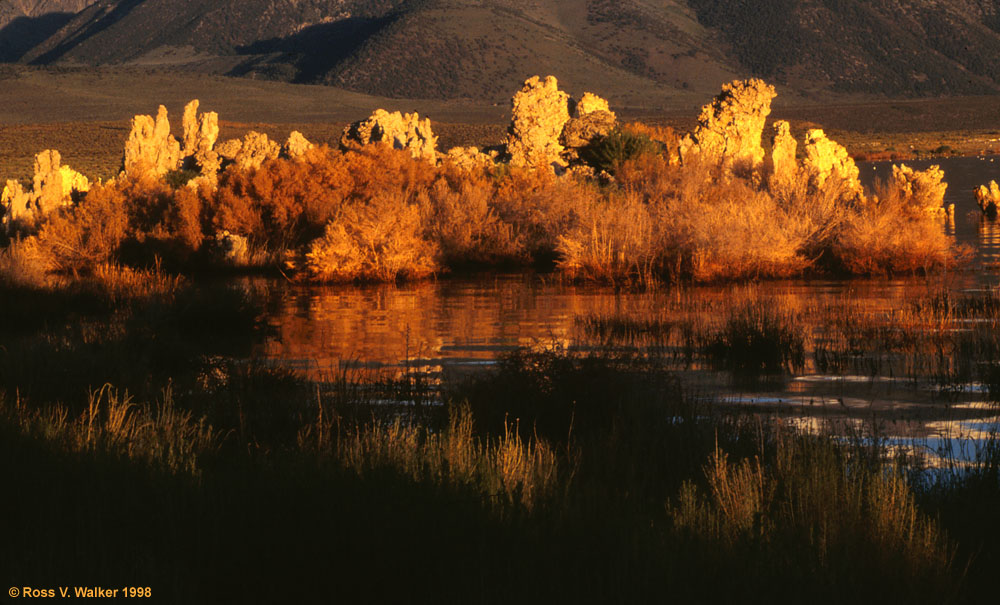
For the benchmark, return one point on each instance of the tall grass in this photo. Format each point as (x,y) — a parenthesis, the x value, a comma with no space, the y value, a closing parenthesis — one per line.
(621,487)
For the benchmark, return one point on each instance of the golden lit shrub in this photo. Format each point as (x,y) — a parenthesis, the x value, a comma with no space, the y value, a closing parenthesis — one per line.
(538,207)
(615,239)
(377,240)
(126,220)
(661,134)
(884,234)
(286,203)
(730,230)
(458,214)
(88,233)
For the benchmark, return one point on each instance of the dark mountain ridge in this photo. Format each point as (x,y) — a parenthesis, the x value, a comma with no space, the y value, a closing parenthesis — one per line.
(483,49)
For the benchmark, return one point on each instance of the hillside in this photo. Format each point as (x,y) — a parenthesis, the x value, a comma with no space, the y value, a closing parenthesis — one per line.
(483,49)
(26,23)
(894,47)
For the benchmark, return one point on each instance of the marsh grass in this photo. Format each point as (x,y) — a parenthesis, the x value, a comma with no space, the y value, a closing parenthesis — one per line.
(758,339)
(620,487)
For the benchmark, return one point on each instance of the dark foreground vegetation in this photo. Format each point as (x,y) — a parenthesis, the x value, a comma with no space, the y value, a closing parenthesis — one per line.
(140,447)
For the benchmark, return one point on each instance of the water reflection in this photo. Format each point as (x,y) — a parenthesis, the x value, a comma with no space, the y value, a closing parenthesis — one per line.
(463,324)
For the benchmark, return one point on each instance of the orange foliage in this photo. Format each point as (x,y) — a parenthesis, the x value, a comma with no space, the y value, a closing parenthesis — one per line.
(287,203)
(379,214)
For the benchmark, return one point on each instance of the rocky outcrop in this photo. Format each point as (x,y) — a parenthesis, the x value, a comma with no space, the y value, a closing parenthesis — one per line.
(592,118)
(590,103)
(730,128)
(400,131)
(469,158)
(826,158)
(539,114)
(925,188)
(251,152)
(200,134)
(784,167)
(232,249)
(16,204)
(53,187)
(296,146)
(988,198)
(150,149)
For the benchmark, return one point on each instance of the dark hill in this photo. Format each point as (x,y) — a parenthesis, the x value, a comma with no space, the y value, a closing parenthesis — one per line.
(483,49)
(893,47)
(25,24)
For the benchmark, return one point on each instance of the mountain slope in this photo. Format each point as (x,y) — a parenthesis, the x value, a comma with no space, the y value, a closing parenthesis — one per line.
(896,47)
(26,23)
(483,49)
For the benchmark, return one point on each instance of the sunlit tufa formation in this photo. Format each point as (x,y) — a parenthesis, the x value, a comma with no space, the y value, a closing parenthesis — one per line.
(400,131)
(988,198)
(53,186)
(592,118)
(469,158)
(783,148)
(296,146)
(150,149)
(925,187)
(730,128)
(539,113)
(250,152)
(200,134)
(826,158)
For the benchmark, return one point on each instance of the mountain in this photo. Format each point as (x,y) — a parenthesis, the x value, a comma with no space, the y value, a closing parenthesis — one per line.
(894,47)
(484,49)
(27,23)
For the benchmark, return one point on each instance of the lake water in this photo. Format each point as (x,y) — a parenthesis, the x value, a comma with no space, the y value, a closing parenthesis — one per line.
(462,324)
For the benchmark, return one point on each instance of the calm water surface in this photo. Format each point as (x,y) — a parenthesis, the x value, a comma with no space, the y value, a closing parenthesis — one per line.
(463,324)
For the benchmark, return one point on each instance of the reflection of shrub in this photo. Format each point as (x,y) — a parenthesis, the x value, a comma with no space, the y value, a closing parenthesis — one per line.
(378,240)
(611,151)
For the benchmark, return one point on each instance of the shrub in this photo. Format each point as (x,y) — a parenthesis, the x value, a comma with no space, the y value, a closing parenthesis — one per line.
(886,233)
(459,215)
(611,151)
(757,339)
(378,240)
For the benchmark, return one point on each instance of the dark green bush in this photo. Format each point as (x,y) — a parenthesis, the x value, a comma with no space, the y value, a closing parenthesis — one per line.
(611,151)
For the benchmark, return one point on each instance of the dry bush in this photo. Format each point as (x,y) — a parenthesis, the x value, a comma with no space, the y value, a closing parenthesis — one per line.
(661,134)
(88,234)
(814,213)
(458,214)
(138,219)
(377,240)
(538,207)
(731,230)
(884,234)
(707,225)
(287,203)
(615,239)
(24,264)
